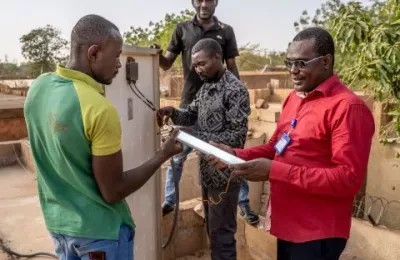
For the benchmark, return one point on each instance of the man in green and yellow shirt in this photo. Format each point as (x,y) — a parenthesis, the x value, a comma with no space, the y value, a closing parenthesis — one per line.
(75,136)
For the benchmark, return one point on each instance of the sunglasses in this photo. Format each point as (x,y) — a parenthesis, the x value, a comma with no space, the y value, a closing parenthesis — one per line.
(301,64)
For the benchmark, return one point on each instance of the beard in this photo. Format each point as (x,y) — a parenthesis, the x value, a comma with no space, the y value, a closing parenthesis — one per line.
(208,79)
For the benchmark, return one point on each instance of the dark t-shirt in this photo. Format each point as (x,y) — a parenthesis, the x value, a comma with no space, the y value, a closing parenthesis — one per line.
(185,36)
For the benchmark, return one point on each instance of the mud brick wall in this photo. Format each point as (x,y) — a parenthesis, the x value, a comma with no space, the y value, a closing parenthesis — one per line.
(12,124)
(5,89)
(252,80)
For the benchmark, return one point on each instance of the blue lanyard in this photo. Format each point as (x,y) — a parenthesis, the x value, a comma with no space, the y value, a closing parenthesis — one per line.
(293,124)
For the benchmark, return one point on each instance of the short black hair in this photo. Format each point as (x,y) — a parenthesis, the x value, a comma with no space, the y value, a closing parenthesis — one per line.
(92,29)
(324,43)
(208,45)
(216,2)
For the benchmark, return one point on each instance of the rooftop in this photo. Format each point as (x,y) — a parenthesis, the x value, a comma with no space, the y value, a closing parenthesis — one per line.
(11,101)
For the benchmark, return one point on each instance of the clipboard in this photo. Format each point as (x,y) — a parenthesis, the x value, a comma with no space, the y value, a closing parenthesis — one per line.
(207,148)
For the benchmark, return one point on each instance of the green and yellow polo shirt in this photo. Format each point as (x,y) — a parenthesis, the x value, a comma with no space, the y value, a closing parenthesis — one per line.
(69,120)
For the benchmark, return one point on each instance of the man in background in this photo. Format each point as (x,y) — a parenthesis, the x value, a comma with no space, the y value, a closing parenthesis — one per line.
(186,34)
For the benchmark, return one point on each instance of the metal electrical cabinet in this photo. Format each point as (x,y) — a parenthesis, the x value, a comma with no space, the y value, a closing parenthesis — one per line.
(139,143)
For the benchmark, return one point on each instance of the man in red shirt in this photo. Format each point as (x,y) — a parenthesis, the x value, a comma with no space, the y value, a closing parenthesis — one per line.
(317,158)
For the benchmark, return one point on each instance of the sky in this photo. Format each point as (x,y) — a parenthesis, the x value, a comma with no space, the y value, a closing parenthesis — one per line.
(265,22)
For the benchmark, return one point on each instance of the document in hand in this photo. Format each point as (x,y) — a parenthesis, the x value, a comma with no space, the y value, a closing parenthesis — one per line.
(207,148)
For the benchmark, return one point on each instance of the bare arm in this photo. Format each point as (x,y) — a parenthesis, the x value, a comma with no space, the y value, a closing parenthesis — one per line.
(230,52)
(168,60)
(104,131)
(232,67)
(174,48)
(115,185)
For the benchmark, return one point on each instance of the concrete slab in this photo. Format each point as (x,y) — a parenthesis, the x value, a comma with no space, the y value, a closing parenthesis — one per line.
(371,243)
(17,83)
(22,226)
(275,106)
(11,101)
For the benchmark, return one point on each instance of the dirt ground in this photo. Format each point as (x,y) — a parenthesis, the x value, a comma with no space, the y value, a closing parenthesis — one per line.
(202,255)
(21,224)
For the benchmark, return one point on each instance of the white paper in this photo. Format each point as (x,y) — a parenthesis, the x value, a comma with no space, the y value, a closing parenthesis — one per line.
(207,148)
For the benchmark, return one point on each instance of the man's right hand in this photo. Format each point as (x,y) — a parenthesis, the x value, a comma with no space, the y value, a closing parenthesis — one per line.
(214,161)
(166,112)
(157,47)
(171,146)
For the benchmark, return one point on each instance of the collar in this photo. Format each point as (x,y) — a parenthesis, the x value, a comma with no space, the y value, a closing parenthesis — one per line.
(220,82)
(79,76)
(325,88)
(217,24)
(301,94)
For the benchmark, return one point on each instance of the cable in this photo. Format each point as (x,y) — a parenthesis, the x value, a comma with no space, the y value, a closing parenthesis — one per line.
(142,97)
(18,160)
(176,211)
(8,250)
(212,201)
(13,253)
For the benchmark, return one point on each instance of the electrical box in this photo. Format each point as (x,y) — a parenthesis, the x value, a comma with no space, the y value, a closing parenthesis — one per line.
(140,142)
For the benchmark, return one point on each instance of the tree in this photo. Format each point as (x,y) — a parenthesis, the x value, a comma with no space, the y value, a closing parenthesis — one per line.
(368,49)
(8,69)
(158,32)
(44,47)
(322,15)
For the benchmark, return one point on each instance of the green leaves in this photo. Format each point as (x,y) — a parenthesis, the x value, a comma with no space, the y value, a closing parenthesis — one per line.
(368,49)
(44,47)
(158,32)
(251,56)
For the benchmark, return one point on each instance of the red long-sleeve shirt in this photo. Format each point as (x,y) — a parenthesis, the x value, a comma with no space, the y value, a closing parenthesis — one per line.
(314,181)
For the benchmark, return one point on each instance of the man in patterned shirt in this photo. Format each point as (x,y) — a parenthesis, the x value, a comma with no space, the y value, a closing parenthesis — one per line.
(186,34)
(220,112)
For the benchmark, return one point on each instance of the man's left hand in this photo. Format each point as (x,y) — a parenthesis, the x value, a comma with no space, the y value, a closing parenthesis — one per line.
(255,170)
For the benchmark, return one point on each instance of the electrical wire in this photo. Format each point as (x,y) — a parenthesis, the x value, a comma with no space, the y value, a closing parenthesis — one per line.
(8,250)
(176,211)
(18,160)
(142,97)
(146,101)
(13,253)
(212,201)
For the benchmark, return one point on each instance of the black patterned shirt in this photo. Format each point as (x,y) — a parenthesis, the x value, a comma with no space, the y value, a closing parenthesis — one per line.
(220,113)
